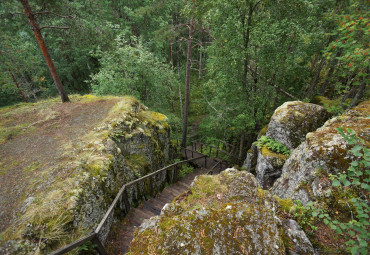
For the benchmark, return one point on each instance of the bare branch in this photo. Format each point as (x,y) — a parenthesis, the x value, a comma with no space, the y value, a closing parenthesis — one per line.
(65,28)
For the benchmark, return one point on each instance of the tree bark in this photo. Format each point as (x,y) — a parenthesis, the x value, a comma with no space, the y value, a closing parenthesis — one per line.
(246,45)
(187,83)
(36,30)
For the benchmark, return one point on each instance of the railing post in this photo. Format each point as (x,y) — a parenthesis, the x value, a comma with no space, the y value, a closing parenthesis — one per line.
(99,246)
(201,148)
(216,153)
(125,201)
(192,154)
(210,150)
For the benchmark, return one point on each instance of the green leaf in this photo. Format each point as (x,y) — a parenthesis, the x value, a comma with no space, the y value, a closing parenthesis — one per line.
(336,183)
(365,186)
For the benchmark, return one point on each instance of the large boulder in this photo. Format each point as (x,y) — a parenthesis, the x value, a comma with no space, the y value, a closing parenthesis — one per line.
(293,120)
(305,175)
(224,214)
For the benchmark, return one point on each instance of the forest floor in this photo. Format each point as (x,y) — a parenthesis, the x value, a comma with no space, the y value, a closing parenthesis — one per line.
(33,139)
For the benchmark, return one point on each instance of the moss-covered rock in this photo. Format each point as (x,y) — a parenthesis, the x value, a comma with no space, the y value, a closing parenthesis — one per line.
(305,173)
(224,214)
(268,167)
(127,143)
(293,120)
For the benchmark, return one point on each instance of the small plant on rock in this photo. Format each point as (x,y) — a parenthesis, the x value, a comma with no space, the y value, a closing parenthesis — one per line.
(272,145)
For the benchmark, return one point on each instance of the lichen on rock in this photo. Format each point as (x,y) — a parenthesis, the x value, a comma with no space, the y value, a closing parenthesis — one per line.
(305,174)
(224,214)
(293,120)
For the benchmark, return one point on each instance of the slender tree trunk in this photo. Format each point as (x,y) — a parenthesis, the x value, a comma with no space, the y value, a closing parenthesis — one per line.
(360,92)
(19,89)
(170,52)
(246,45)
(187,83)
(36,30)
(200,61)
(241,147)
(330,73)
(178,73)
(316,78)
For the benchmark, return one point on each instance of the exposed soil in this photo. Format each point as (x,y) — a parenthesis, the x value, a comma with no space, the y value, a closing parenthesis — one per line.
(32,158)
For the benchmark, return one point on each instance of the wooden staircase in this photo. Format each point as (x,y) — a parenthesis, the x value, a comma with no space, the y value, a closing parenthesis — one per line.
(147,209)
(119,240)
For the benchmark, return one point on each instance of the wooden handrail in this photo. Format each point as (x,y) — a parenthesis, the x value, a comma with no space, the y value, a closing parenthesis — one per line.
(74,245)
(211,146)
(94,234)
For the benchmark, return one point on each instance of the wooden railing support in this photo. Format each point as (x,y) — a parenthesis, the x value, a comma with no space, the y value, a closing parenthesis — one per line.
(125,201)
(99,246)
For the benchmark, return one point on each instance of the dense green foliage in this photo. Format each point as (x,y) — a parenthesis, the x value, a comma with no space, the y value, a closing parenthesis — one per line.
(248,56)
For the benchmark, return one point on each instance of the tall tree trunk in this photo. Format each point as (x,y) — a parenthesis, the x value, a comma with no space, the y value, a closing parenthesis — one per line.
(330,73)
(246,45)
(19,89)
(178,73)
(315,78)
(360,92)
(36,30)
(170,52)
(187,83)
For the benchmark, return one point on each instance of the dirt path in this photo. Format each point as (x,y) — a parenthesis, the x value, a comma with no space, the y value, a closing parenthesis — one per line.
(27,154)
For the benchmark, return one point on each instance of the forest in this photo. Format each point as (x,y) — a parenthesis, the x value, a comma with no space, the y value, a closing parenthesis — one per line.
(217,70)
(224,64)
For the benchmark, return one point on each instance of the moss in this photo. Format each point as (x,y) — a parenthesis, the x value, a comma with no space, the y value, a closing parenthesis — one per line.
(263,131)
(268,153)
(285,204)
(136,161)
(154,119)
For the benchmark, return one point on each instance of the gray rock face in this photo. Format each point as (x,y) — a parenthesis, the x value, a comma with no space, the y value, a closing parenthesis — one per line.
(293,120)
(298,237)
(268,167)
(134,155)
(305,173)
(251,159)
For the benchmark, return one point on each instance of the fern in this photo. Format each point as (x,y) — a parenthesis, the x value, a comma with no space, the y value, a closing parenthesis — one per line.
(272,145)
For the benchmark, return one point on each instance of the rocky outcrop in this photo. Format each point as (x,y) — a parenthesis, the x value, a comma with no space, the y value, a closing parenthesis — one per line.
(288,125)
(268,167)
(224,214)
(131,142)
(305,175)
(300,243)
(293,120)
